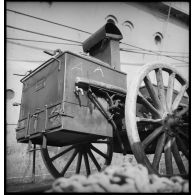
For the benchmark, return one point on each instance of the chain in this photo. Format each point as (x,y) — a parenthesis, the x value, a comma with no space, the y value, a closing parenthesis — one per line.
(124,178)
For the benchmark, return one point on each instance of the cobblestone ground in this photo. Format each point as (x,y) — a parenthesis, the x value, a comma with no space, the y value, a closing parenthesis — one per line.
(119,159)
(46,181)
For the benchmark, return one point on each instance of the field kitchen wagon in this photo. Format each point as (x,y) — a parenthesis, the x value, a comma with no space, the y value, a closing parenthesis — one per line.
(79,104)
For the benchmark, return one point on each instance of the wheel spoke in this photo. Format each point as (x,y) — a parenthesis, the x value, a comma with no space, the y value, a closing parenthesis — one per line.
(69,162)
(182,147)
(184,105)
(148,120)
(94,160)
(152,92)
(148,105)
(160,84)
(79,163)
(183,111)
(86,163)
(99,152)
(61,153)
(61,166)
(169,95)
(101,142)
(152,136)
(177,158)
(168,157)
(158,151)
(179,97)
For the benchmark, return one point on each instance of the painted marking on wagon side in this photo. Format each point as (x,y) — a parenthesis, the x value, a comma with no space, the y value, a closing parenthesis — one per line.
(99,68)
(79,67)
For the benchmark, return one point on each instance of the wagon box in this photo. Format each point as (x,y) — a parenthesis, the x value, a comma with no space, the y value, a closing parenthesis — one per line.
(49,103)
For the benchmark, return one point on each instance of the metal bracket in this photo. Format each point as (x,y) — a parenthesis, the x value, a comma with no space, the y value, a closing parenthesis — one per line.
(16,104)
(44,143)
(53,54)
(59,63)
(28,124)
(46,118)
(78,90)
(35,116)
(59,112)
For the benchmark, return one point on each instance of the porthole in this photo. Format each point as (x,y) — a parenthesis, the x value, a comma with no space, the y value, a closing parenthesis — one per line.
(158,38)
(128,24)
(10,94)
(111,19)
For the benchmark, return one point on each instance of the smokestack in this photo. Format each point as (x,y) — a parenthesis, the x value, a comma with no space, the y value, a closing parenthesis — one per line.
(104,45)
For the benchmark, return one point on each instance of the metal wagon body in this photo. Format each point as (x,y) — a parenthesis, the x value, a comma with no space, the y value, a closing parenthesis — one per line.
(74,101)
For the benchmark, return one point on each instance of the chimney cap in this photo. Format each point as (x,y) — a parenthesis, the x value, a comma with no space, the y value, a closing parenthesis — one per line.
(109,30)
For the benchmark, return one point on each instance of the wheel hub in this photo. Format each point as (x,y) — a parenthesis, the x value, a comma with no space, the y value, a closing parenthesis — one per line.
(171,121)
(83,147)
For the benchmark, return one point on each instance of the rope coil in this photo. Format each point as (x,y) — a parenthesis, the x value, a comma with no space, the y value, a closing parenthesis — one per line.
(124,178)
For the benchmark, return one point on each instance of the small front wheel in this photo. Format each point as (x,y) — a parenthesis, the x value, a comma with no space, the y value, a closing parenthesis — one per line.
(88,156)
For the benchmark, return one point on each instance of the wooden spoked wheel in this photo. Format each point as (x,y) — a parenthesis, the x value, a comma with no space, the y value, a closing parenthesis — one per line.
(157,119)
(82,158)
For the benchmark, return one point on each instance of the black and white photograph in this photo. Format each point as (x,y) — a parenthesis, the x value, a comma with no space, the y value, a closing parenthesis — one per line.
(97,97)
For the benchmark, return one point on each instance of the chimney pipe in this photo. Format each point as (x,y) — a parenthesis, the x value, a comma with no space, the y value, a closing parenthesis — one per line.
(104,45)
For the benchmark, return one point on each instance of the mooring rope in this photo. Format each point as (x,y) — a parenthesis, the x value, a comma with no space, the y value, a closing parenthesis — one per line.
(123,178)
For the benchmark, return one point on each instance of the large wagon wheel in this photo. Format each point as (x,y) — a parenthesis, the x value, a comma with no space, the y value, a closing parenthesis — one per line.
(162,123)
(74,158)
